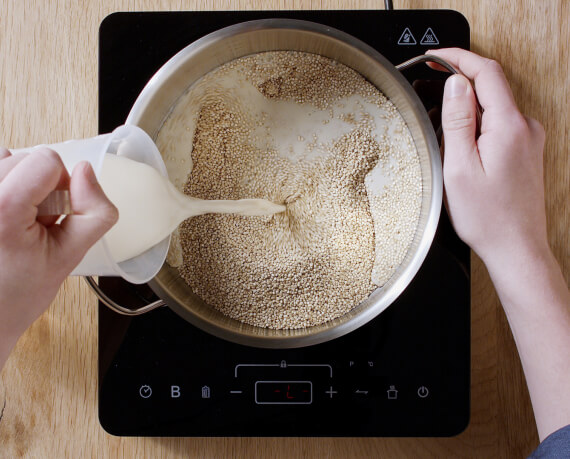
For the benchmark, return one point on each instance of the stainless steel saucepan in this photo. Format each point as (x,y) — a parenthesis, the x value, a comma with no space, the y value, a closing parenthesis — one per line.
(193,62)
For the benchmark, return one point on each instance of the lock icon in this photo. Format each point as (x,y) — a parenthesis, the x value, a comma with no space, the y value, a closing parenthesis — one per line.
(392,393)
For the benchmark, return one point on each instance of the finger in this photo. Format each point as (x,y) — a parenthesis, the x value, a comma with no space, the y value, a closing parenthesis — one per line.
(459,121)
(4,153)
(30,181)
(63,184)
(93,214)
(436,66)
(9,162)
(493,90)
(537,130)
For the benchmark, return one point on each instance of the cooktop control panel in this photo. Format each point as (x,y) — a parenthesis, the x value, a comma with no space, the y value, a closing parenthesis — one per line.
(406,373)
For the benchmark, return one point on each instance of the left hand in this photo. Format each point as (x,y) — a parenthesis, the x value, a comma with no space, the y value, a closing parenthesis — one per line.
(36,254)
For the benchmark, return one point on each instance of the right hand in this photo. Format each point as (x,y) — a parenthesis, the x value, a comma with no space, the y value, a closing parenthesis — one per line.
(494,183)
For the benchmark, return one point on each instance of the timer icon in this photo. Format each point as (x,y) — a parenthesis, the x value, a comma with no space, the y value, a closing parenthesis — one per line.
(145,391)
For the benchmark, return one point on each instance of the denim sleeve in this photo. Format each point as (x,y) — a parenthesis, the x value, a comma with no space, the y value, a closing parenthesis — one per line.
(556,445)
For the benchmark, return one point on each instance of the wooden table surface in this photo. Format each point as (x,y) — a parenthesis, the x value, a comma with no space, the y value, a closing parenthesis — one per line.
(48,93)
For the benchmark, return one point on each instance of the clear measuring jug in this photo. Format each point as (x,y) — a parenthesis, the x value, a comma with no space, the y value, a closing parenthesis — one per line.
(131,142)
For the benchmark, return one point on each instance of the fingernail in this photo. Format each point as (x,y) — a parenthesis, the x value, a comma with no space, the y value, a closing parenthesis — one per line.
(48,152)
(456,86)
(89,173)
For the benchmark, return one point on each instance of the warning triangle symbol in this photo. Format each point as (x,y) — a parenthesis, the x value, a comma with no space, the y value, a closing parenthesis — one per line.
(407,38)
(429,38)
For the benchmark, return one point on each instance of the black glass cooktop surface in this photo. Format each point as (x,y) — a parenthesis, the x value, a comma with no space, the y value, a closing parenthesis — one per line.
(406,373)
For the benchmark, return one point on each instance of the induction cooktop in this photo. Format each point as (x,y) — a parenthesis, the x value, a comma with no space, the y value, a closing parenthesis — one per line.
(405,373)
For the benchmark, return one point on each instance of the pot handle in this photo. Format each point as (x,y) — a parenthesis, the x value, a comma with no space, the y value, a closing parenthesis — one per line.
(438,60)
(427,58)
(107,301)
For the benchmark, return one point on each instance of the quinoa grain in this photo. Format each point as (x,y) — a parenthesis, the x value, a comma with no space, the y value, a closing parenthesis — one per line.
(352,203)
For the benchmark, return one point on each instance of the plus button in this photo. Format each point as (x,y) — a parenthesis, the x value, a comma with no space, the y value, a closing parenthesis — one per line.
(331,392)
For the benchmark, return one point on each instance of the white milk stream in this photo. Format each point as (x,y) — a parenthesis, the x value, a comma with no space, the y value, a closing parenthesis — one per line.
(151,208)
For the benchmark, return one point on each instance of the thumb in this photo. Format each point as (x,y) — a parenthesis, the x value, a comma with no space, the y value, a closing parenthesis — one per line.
(93,213)
(459,119)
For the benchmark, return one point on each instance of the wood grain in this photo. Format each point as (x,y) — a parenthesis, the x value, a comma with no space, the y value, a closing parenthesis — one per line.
(48,93)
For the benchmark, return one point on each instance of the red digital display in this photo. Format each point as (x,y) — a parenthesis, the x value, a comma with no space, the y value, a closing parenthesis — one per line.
(283,392)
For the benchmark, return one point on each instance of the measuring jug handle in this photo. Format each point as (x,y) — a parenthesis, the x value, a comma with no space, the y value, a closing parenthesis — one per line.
(107,301)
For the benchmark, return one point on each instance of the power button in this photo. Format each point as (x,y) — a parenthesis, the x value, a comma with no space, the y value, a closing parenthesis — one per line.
(423,392)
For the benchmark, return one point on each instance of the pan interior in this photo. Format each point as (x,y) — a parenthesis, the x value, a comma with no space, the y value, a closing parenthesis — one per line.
(177,75)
